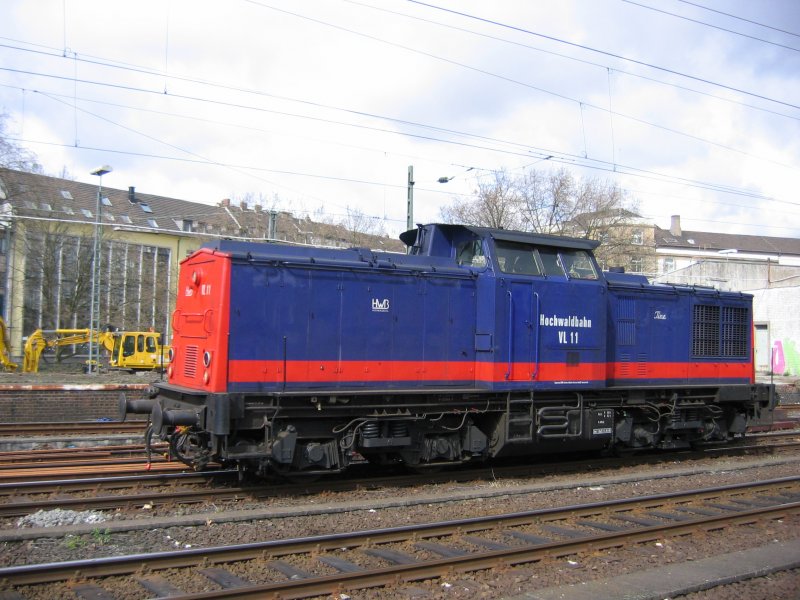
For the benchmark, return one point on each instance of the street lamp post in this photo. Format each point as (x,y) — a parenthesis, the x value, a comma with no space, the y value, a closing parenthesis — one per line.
(410,204)
(94,303)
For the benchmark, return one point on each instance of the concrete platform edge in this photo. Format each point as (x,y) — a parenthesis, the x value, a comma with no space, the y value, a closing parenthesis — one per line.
(680,578)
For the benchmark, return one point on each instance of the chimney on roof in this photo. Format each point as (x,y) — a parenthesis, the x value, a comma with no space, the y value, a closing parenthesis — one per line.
(243,205)
(675,226)
(132,194)
(226,202)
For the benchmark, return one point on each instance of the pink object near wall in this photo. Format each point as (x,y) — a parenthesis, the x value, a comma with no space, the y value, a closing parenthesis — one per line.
(778,358)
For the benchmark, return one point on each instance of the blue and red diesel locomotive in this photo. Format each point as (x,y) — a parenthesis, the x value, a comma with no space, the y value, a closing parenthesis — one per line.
(477,343)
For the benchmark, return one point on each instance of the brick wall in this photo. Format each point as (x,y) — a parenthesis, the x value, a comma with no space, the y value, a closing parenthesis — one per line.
(60,403)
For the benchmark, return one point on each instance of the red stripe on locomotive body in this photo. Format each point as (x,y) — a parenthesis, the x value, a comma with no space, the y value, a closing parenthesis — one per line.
(679,370)
(317,372)
(271,371)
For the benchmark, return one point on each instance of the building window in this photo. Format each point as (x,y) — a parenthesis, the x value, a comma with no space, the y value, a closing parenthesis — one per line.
(106,201)
(68,210)
(86,213)
(153,223)
(66,195)
(125,219)
(636,265)
(638,237)
(669,265)
(184,224)
(145,207)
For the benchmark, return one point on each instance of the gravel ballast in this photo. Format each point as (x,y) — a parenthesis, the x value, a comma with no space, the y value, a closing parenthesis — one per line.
(329,513)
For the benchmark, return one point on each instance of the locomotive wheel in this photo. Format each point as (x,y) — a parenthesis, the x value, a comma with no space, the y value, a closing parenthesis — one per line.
(383,459)
(295,477)
(301,479)
(423,469)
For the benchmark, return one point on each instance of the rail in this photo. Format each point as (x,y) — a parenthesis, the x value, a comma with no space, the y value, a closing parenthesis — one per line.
(657,516)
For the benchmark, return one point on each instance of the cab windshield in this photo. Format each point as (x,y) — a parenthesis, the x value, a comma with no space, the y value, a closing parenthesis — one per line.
(526,259)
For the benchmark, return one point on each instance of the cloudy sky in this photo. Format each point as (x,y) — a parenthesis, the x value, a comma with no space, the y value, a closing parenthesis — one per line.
(319,107)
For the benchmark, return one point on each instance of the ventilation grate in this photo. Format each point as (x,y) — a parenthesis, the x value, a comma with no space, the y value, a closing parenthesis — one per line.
(720,332)
(190,362)
(735,325)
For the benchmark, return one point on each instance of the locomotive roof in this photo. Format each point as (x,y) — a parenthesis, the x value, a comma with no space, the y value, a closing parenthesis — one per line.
(540,239)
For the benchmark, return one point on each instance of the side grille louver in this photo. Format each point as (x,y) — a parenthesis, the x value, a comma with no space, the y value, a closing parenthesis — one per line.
(720,332)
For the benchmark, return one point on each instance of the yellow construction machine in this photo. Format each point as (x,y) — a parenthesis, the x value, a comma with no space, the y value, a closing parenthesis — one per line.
(127,350)
(5,358)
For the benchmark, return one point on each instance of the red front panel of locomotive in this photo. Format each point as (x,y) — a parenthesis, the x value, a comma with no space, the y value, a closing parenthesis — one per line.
(200,323)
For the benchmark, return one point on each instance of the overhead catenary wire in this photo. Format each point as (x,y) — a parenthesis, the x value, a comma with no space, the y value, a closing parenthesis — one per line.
(711,25)
(581,104)
(604,52)
(719,12)
(597,165)
(522,149)
(576,59)
(565,158)
(358,181)
(364,182)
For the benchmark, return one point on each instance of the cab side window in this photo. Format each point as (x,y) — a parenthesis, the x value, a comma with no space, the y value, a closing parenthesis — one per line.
(128,346)
(470,254)
(551,262)
(517,258)
(578,265)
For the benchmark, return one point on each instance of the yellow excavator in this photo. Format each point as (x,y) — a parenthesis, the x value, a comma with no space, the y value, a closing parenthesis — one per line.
(5,358)
(127,350)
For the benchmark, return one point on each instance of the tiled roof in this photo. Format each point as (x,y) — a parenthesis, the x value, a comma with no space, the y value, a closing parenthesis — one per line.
(714,242)
(51,197)
(40,196)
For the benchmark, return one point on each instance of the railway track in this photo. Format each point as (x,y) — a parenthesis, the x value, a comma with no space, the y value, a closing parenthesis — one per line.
(119,493)
(305,567)
(13,458)
(89,469)
(71,428)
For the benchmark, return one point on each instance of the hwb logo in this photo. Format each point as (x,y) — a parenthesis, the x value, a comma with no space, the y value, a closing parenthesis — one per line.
(380,305)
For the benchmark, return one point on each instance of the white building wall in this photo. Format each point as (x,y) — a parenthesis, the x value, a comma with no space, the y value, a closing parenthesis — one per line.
(779,309)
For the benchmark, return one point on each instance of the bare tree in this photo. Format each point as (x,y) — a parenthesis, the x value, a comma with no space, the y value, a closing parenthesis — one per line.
(14,156)
(57,276)
(361,228)
(355,229)
(543,202)
(609,216)
(496,203)
(555,202)
(547,200)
